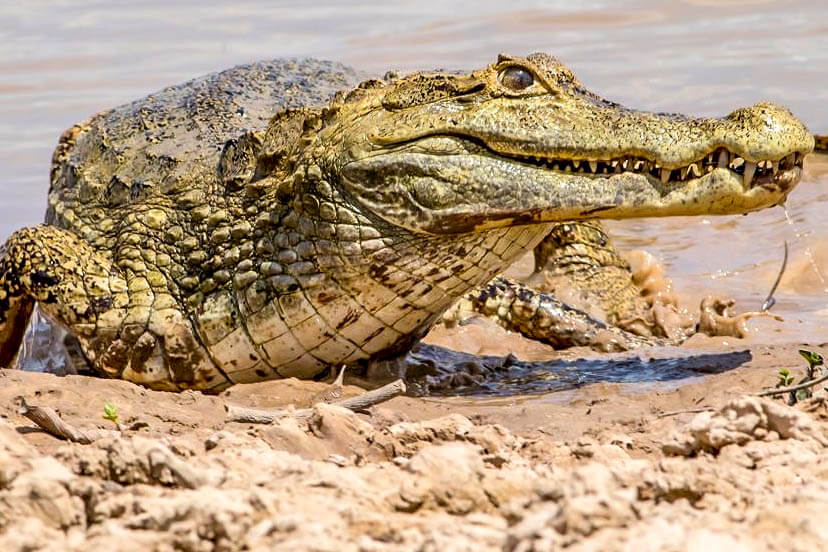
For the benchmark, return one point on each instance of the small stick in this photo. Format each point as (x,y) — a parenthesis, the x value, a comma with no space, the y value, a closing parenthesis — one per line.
(50,421)
(374,397)
(782,390)
(770,301)
(360,402)
(333,392)
(686,411)
(158,456)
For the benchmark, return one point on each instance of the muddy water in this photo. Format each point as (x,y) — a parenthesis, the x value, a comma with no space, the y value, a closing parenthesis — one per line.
(61,61)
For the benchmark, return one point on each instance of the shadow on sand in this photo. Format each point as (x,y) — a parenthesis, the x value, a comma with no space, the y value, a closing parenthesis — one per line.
(434,370)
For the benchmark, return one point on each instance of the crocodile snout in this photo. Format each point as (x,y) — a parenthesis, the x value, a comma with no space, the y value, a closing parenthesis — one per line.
(767,131)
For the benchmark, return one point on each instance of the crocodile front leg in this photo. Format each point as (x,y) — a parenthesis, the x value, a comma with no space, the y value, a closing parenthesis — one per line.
(583,293)
(128,326)
(543,317)
(582,267)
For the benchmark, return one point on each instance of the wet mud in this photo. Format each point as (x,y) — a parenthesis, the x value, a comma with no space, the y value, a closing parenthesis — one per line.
(607,466)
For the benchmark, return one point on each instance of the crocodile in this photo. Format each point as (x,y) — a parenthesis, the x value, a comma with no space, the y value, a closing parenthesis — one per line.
(283,217)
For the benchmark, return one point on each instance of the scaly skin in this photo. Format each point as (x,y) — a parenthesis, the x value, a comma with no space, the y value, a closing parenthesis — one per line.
(255,224)
(545,318)
(578,261)
(581,254)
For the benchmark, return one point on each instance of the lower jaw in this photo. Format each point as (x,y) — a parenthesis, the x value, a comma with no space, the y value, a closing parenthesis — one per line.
(714,194)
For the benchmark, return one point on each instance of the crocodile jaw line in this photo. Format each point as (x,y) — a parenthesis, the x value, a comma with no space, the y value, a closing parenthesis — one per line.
(495,192)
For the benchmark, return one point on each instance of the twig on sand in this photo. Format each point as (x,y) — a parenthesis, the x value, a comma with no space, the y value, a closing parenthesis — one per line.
(686,411)
(159,457)
(792,388)
(50,421)
(360,402)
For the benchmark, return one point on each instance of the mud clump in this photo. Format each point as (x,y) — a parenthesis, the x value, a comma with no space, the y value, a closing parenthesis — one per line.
(748,475)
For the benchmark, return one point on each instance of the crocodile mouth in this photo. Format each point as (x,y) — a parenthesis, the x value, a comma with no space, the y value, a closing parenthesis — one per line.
(449,183)
(764,173)
(773,174)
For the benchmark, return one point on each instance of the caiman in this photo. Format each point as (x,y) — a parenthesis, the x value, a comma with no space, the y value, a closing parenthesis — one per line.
(282,217)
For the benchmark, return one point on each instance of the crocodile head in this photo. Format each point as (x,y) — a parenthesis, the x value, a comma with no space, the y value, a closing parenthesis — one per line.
(522,141)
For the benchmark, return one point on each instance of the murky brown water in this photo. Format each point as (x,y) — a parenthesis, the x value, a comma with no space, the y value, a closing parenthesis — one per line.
(63,60)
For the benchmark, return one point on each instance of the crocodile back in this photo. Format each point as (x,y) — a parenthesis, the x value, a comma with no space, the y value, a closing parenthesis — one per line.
(169,142)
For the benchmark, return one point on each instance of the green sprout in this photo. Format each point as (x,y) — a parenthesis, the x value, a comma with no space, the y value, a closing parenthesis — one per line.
(785,378)
(814,360)
(110,412)
(802,390)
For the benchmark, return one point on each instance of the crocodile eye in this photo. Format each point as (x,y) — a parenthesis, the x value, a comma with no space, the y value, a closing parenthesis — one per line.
(516,78)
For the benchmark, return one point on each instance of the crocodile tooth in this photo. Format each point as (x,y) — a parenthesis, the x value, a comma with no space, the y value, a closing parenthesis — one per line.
(774,166)
(694,168)
(790,160)
(750,169)
(665,176)
(723,159)
(737,162)
(593,166)
(576,163)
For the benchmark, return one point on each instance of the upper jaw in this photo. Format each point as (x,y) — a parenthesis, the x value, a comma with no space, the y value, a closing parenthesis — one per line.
(765,172)
(579,136)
